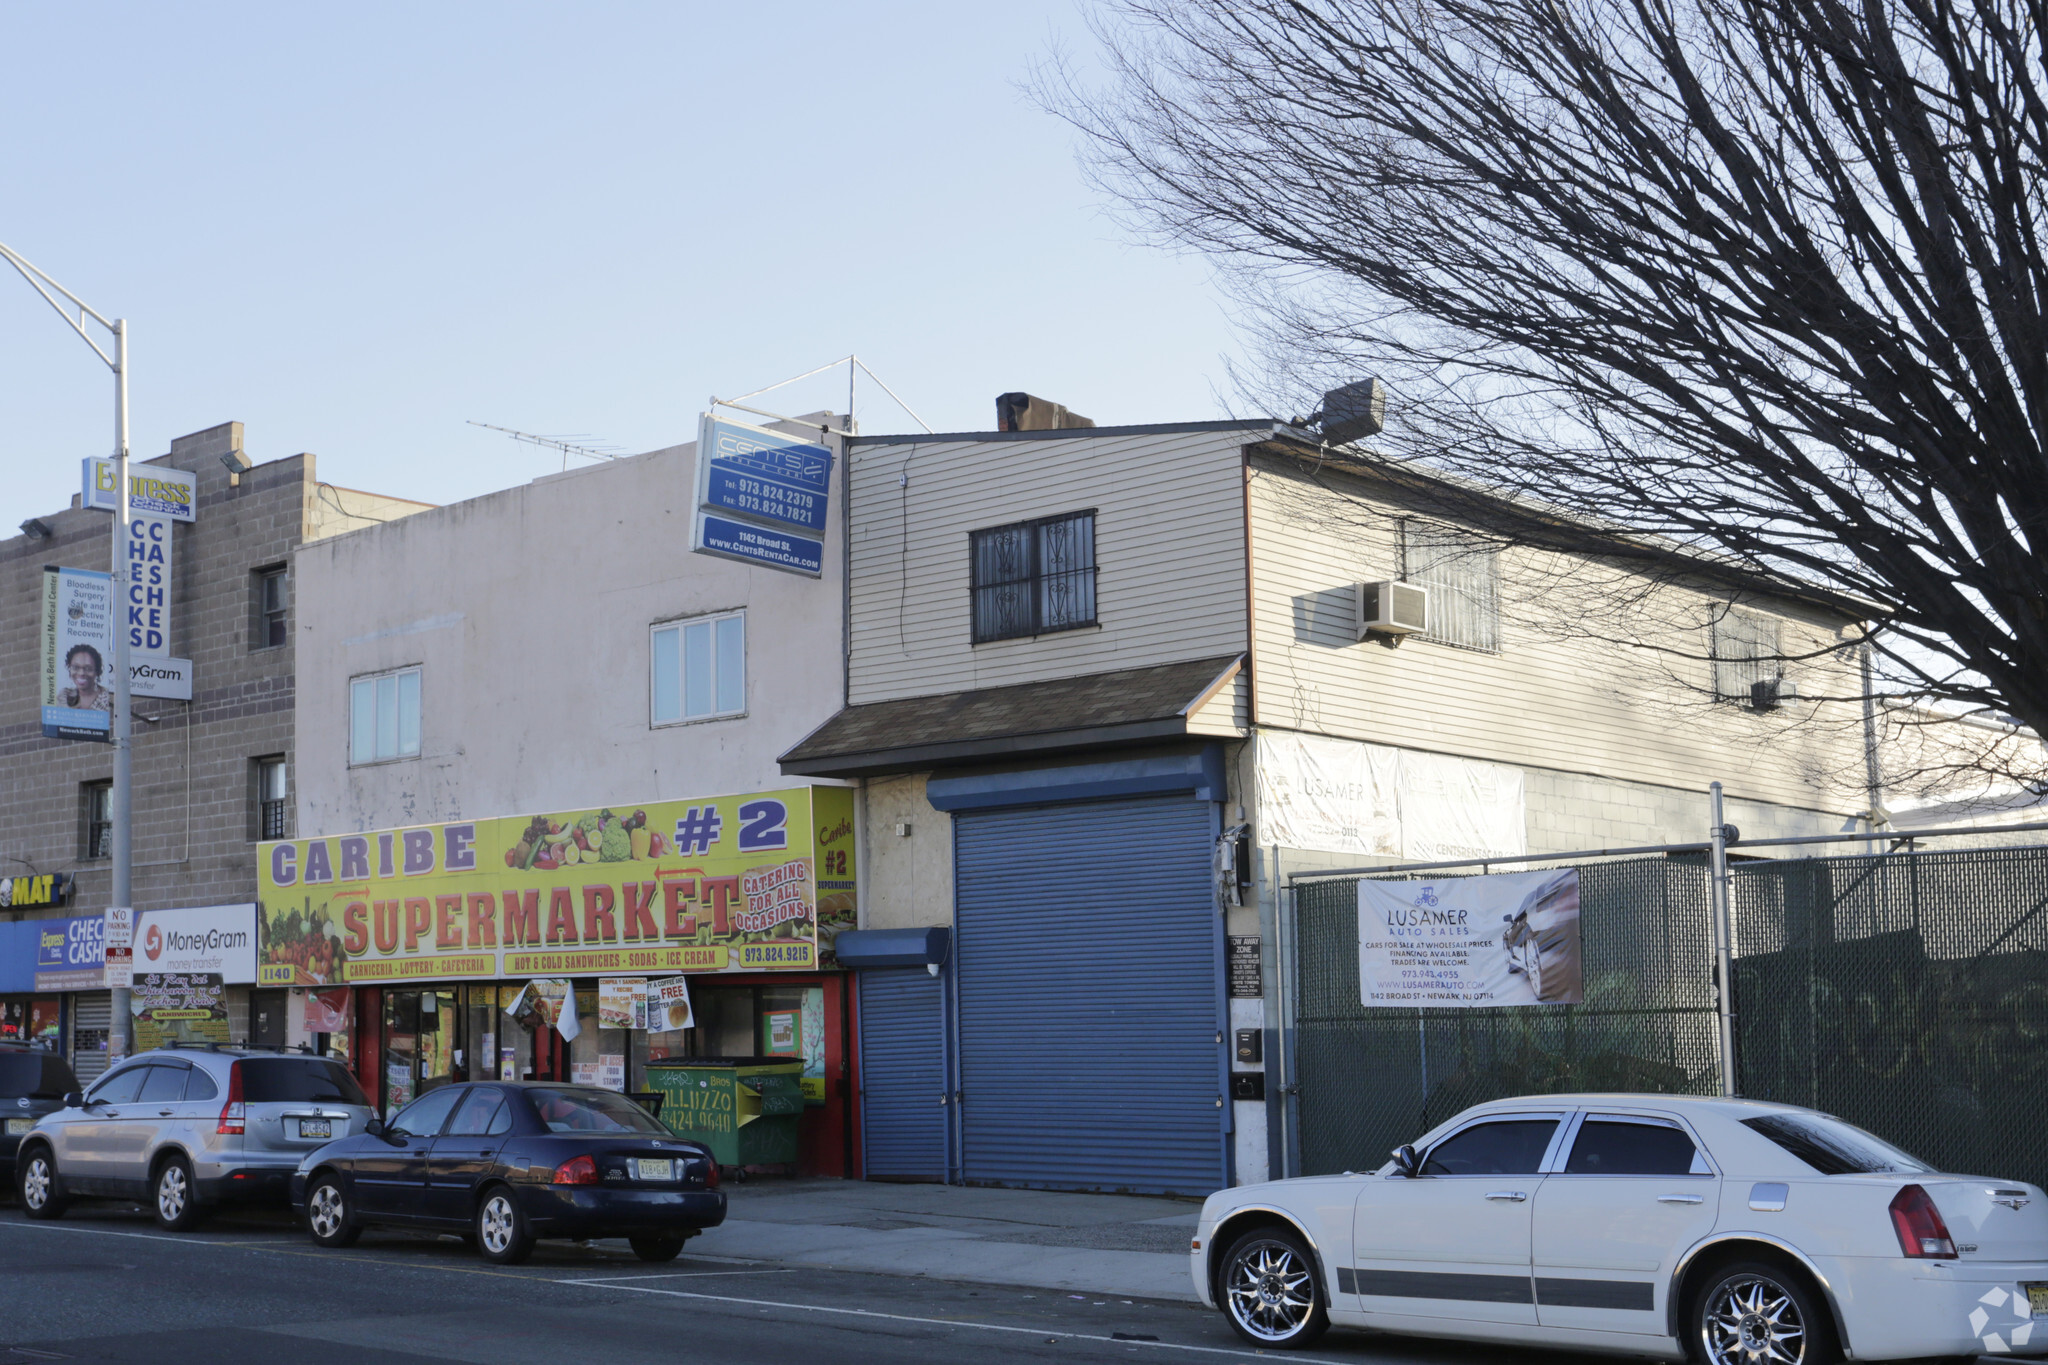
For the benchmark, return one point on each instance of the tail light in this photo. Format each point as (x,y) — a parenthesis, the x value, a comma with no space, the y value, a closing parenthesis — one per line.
(577,1170)
(232,1114)
(1918,1223)
(710,1173)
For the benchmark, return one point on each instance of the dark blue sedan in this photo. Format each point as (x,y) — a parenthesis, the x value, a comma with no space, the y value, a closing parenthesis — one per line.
(506,1163)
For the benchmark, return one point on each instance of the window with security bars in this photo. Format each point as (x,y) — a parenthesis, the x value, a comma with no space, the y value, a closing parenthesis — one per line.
(270,799)
(1034,577)
(96,808)
(1745,651)
(1462,573)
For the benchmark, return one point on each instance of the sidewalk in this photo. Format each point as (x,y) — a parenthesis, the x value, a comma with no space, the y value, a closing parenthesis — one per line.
(1129,1246)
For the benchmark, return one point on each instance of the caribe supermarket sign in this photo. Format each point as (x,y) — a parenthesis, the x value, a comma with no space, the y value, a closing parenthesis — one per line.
(728,883)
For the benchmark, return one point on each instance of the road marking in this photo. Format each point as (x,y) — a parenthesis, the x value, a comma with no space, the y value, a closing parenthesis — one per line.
(947,1322)
(683,1275)
(145,1236)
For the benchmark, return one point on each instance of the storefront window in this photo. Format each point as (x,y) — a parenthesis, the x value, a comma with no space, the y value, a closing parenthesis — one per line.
(39,1023)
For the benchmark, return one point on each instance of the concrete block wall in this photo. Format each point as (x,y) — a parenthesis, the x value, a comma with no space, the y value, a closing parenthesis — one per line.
(194,790)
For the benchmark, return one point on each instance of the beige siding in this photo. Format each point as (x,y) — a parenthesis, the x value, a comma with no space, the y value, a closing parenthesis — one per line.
(909,856)
(1169,544)
(1228,712)
(1591,704)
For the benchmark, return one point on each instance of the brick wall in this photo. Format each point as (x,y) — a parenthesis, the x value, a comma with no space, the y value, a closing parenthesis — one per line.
(193,774)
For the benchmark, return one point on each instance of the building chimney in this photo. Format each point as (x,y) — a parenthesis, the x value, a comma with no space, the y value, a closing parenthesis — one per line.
(1022,412)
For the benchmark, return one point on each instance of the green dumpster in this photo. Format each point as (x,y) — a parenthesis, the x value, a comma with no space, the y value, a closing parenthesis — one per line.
(745,1109)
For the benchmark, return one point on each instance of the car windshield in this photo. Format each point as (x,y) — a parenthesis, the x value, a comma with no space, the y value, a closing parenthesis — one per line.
(591,1111)
(274,1080)
(1833,1147)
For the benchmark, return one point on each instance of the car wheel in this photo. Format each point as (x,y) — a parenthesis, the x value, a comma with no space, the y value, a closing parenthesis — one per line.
(36,1183)
(657,1248)
(502,1233)
(1756,1311)
(328,1216)
(176,1197)
(1271,1291)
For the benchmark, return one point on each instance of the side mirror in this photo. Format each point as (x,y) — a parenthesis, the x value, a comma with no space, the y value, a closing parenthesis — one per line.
(74,1100)
(1406,1161)
(375,1128)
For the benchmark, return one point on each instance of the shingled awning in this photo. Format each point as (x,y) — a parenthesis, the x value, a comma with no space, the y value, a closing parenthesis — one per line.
(1130,706)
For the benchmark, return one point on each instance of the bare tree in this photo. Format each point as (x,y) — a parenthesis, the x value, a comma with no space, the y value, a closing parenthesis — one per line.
(1761,279)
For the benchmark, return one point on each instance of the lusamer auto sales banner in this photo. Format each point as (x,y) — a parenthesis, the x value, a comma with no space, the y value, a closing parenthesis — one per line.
(1470,942)
(727,883)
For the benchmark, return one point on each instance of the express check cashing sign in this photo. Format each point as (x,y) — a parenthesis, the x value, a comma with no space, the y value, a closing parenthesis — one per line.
(762,496)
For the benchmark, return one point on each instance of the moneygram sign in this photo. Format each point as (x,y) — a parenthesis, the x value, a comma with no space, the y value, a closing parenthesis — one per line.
(218,940)
(712,884)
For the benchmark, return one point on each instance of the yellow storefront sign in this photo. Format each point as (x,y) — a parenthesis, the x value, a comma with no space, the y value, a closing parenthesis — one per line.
(729,883)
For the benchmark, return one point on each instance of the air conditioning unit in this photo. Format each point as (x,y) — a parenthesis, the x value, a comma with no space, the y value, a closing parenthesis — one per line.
(1391,608)
(1768,694)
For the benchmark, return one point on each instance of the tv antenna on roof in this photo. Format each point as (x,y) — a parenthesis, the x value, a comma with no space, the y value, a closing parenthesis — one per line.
(853,364)
(567,446)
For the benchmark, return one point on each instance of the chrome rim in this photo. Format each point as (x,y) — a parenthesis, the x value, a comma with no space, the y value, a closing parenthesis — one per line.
(494,1228)
(35,1184)
(324,1211)
(1271,1291)
(171,1193)
(1752,1319)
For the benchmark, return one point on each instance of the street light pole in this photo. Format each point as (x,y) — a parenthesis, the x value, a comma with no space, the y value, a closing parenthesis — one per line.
(121,812)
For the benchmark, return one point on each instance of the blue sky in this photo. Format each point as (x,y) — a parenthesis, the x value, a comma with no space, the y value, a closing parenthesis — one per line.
(352,228)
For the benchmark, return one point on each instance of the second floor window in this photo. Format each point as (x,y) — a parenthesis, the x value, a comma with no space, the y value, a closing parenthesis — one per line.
(384,716)
(1034,577)
(1746,651)
(269,630)
(699,669)
(270,809)
(1462,573)
(96,800)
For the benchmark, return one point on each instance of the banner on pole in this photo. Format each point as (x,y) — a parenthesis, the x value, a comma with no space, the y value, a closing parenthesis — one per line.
(1471,942)
(78,654)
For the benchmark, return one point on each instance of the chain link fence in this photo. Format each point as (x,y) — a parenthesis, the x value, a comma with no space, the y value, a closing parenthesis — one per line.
(1372,1078)
(1907,993)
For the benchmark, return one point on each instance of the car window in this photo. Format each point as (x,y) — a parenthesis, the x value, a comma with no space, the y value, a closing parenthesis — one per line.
(425,1115)
(298,1080)
(501,1122)
(473,1116)
(591,1111)
(1833,1147)
(200,1086)
(1502,1147)
(1617,1147)
(120,1087)
(165,1084)
(21,1073)
(57,1077)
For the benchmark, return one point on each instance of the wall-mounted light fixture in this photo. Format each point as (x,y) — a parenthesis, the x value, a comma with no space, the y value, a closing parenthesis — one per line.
(36,529)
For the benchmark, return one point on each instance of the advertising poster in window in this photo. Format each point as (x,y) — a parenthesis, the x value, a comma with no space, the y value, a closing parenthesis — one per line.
(182,1007)
(1470,942)
(78,655)
(713,884)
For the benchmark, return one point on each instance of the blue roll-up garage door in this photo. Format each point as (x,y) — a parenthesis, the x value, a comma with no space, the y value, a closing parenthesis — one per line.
(902,1074)
(1088,952)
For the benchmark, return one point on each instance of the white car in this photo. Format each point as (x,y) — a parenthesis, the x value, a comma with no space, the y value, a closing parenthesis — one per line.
(1725,1231)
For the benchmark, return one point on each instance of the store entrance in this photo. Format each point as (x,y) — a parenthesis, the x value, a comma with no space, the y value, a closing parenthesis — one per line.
(434,1035)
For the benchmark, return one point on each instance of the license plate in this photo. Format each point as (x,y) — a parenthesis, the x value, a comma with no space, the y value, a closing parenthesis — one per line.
(2037,1299)
(648,1168)
(316,1128)
(19,1126)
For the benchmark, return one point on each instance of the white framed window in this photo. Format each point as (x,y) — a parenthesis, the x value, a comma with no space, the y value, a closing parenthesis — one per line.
(697,669)
(384,716)
(1746,650)
(1462,573)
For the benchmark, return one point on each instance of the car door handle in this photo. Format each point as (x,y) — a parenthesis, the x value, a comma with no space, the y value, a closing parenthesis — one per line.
(1508,1196)
(163,1113)
(1681,1199)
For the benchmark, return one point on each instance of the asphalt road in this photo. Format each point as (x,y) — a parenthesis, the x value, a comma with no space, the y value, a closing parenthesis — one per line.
(105,1285)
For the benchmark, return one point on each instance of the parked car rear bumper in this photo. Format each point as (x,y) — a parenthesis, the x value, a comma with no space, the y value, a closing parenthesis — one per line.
(598,1211)
(241,1178)
(1895,1307)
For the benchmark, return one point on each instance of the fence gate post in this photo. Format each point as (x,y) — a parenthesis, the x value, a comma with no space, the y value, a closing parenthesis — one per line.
(1721,911)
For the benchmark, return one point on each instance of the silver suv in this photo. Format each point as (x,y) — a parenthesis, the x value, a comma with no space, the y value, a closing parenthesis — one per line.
(187,1129)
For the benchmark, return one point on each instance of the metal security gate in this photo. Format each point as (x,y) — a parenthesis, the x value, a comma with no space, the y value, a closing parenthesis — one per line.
(904,1113)
(1090,997)
(92,1016)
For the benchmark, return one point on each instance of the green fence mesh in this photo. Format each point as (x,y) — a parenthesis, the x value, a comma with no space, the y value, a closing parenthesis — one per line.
(1907,993)
(1371,1079)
